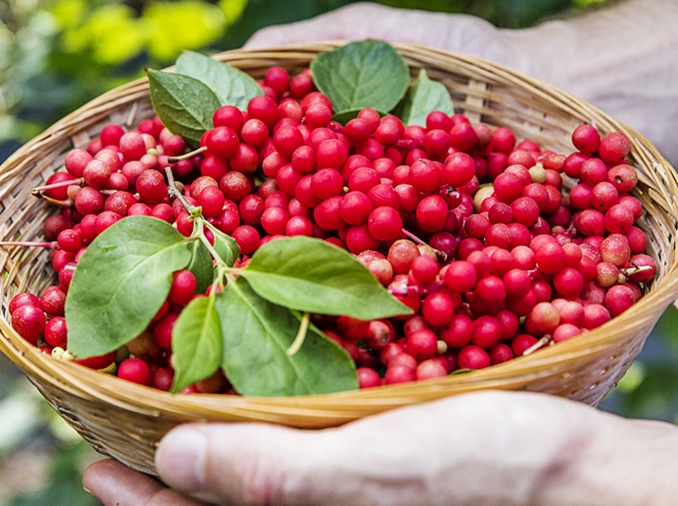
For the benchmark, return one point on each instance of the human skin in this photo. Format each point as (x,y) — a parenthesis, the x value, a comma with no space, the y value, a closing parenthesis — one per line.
(621,59)
(489,448)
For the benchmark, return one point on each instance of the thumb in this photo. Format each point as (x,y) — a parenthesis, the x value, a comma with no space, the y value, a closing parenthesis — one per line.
(240,463)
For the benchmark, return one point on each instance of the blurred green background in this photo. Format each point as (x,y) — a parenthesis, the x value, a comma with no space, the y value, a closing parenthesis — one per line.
(55,55)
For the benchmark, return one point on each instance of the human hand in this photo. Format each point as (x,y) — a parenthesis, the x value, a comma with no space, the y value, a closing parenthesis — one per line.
(499,448)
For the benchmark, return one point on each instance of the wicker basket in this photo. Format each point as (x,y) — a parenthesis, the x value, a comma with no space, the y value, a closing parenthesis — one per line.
(125,421)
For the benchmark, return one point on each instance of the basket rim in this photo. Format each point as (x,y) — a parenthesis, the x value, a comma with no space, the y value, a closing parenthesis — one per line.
(91,384)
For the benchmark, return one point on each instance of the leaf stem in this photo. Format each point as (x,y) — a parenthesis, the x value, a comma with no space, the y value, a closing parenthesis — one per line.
(301,335)
(200,233)
(221,264)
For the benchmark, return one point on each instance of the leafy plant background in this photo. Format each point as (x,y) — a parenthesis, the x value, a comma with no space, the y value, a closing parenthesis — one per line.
(55,55)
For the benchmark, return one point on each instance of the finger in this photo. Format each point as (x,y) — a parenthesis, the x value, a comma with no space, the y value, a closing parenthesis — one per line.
(240,463)
(116,485)
(415,455)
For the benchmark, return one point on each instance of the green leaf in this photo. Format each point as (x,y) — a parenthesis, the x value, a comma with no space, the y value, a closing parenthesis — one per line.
(120,283)
(184,104)
(425,96)
(225,245)
(196,343)
(362,74)
(201,266)
(257,335)
(231,85)
(310,275)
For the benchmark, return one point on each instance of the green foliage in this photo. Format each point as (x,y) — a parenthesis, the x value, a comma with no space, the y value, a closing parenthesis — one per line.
(225,246)
(232,86)
(256,339)
(362,74)
(183,104)
(310,275)
(201,266)
(196,343)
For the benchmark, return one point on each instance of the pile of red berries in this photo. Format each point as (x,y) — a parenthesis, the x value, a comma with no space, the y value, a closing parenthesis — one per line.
(470,229)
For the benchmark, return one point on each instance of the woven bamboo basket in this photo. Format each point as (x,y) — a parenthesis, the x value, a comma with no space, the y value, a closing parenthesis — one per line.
(126,421)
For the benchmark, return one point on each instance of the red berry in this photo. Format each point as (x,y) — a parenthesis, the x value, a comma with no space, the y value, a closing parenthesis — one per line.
(151,186)
(183,287)
(385,223)
(135,370)
(614,147)
(473,357)
(29,322)
(422,344)
(459,169)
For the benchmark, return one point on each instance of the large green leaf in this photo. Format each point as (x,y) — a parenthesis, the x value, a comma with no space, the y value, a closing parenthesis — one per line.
(425,96)
(310,275)
(231,85)
(196,343)
(362,74)
(120,283)
(257,335)
(184,104)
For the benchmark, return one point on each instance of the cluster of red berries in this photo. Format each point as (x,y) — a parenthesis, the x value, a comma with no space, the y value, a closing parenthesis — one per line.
(466,227)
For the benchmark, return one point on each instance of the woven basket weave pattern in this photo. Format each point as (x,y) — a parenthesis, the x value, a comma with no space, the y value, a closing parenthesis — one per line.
(126,421)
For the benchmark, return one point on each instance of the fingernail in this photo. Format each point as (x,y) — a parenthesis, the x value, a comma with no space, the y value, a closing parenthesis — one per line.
(180,459)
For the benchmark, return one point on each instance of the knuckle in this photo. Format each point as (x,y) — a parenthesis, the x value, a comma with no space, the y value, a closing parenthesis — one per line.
(260,480)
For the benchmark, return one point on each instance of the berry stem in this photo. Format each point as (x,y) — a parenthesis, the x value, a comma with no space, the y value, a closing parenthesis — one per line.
(29,244)
(175,159)
(635,270)
(301,335)
(539,344)
(35,191)
(174,192)
(442,256)
(55,202)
